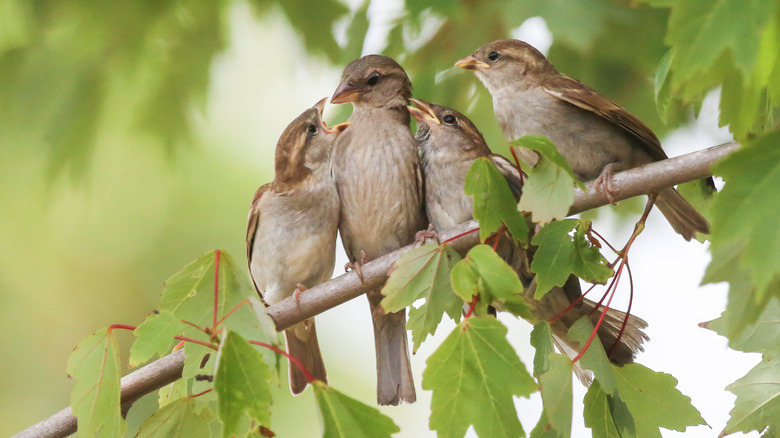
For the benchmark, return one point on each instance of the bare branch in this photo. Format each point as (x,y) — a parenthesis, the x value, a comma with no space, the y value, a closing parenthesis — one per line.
(633,182)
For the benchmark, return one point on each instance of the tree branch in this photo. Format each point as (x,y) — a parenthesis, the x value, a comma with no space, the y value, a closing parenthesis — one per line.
(630,183)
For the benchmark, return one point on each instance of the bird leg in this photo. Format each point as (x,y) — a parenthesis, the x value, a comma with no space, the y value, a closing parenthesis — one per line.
(297,292)
(604,183)
(357,266)
(421,236)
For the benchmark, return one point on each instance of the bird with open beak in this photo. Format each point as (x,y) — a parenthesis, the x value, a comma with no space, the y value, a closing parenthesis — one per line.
(449,144)
(595,135)
(291,230)
(377,171)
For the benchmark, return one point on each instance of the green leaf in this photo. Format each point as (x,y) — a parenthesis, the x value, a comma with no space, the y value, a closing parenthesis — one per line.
(543,428)
(595,358)
(189,296)
(662,85)
(758,399)
(541,339)
(423,273)
(186,417)
(761,337)
(482,272)
(241,383)
(545,147)
(549,190)
(598,413)
(653,400)
(559,255)
(473,375)
(154,336)
(95,400)
(346,417)
(356,34)
(699,32)
(172,392)
(556,386)
(744,238)
(493,201)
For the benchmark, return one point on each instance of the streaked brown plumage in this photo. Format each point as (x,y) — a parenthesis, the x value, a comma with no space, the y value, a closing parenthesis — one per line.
(291,230)
(377,173)
(449,144)
(595,135)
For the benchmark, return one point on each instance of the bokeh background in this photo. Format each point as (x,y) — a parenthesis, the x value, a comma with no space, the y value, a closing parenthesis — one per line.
(133,135)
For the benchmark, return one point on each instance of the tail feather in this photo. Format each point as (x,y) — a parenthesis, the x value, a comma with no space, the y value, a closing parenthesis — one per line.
(620,351)
(394,371)
(681,215)
(302,344)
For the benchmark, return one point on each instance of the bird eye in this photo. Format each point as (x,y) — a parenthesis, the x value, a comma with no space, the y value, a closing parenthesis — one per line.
(493,55)
(312,129)
(449,119)
(373,79)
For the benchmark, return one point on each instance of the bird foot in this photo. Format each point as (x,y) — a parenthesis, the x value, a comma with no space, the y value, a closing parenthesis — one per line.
(357,266)
(297,293)
(421,236)
(604,184)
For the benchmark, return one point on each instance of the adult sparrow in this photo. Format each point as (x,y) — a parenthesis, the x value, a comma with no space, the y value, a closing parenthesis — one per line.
(449,144)
(291,230)
(377,171)
(595,135)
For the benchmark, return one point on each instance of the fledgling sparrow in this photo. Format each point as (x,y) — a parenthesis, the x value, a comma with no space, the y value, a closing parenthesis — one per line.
(377,171)
(449,144)
(291,230)
(595,135)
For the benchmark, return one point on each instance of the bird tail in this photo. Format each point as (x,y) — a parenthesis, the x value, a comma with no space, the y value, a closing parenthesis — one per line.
(393,367)
(681,215)
(621,344)
(302,344)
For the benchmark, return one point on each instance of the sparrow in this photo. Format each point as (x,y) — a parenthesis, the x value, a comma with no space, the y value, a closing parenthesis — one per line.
(596,136)
(377,171)
(449,143)
(291,230)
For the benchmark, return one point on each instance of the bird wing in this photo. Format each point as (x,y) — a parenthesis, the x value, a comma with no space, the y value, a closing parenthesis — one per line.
(576,93)
(510,172)
(251,227)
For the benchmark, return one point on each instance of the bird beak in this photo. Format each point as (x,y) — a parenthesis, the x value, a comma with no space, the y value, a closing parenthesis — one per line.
(337,129)
(346,92)
(423,113)
(320,106)
(472,63)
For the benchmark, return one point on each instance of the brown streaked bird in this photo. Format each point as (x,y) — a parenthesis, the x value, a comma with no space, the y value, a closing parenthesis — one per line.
(596,136)
(291,230)
(377,171)
(449,144)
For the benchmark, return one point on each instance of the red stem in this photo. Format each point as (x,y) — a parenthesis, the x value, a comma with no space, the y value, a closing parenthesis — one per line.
(121,326)
(195,341)
(216,286)
(244,301)
(306,373)
(200,393)
(461,235)
(603,314)
(580,298)
(472,306)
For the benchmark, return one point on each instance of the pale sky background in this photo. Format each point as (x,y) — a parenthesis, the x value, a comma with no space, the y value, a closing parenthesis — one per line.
(667,269)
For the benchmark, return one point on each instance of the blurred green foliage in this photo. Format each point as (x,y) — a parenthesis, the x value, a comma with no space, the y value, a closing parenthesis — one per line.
(133,134)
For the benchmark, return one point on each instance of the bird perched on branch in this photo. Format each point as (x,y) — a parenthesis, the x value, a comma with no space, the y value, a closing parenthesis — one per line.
(377,171)
(595,135)
(291,230)
(449,144)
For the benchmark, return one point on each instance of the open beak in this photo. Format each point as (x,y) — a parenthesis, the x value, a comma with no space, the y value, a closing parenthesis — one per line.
(346,92)
(423,113)
(337,129)
(472,63)
(320,106)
